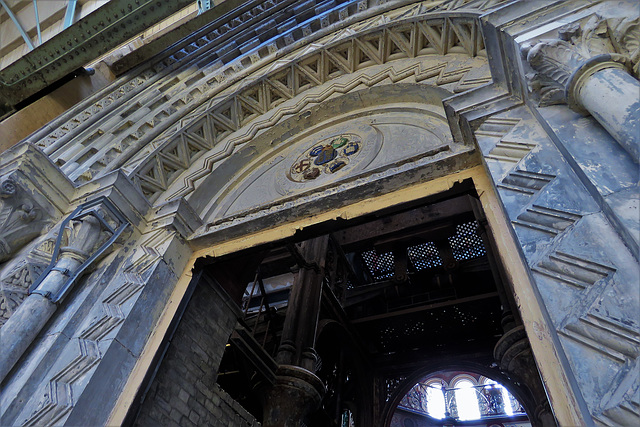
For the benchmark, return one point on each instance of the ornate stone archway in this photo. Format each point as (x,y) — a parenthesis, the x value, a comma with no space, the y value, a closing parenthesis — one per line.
(149,141)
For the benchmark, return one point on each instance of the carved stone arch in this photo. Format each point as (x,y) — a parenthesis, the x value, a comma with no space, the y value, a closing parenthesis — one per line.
(445,50)
(366,115)
(519,392)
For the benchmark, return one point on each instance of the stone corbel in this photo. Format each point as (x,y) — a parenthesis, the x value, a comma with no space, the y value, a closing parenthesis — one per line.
(34,194)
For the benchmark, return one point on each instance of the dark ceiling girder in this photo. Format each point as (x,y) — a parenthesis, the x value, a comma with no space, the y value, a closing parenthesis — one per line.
(95,34)
(381,228)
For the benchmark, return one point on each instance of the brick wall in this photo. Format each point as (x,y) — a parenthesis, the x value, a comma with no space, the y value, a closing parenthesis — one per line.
(184,392)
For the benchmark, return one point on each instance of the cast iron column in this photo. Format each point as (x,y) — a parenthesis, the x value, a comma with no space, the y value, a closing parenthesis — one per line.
(298,391)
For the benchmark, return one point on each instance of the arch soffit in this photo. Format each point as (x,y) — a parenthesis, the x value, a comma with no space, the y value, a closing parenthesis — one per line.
(430,47)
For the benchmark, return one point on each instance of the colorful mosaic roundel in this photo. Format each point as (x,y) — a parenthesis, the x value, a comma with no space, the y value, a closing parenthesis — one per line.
(326,157)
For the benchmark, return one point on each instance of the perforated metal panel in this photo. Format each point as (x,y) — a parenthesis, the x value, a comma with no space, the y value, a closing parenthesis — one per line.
(424,256)
(381,266)
(467,244)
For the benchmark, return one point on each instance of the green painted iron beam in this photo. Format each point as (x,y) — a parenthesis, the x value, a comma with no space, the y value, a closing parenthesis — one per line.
(85,40)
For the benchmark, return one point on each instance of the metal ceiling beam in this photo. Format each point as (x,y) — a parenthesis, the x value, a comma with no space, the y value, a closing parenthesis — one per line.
(24,35)
(85,40)
(35,11)
(70,13)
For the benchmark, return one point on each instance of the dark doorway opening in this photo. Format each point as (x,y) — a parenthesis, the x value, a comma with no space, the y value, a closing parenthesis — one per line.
(385,296)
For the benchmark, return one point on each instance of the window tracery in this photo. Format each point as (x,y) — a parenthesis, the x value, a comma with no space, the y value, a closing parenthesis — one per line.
(461,397)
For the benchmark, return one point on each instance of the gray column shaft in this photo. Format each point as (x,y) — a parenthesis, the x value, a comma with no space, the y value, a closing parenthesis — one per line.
(612,96)
(22,328)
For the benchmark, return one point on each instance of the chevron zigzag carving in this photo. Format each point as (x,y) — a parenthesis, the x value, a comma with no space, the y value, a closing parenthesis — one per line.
(572,270)
(525,182)
(58,399)
(547,220)
(616,341)
(149,177)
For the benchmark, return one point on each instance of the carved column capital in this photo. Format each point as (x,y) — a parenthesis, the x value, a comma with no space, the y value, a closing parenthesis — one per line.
(296,394)
(580,50)
(515,358)
(21,216)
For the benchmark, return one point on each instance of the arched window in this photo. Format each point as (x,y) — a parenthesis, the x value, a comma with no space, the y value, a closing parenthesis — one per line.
(435,403)
(466,399)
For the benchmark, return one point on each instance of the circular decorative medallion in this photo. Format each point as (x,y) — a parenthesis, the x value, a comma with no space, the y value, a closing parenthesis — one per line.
(326,157)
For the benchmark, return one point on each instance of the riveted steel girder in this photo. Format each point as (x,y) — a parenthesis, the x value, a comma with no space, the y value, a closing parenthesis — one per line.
(84,41)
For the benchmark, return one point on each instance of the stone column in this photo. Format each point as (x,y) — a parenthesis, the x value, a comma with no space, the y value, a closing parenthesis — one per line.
(298,391)
(32,315)
(582,69)
(611,95)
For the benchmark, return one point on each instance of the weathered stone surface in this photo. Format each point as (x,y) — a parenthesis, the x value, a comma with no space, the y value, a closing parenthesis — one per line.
(204,121)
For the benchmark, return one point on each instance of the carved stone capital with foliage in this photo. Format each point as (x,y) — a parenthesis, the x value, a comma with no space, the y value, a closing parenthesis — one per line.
(581,49)
(21,217)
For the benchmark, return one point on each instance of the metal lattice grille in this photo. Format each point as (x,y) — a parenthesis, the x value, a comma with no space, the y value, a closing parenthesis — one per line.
(424,255)
(381,266)
(467,244)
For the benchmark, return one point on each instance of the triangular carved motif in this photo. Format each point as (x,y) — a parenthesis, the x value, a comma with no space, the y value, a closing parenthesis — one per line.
(431,37)
(199,130)
(278,92)
(153,177)
(176,156)
(253,98)
(335,68)
(370,49)
(461,37)
(192,149)
(220,129)
(247,111)
(342,55)
(227,111)
(313,67)
(303,80)
(401,42)
(169,168)
(224,118)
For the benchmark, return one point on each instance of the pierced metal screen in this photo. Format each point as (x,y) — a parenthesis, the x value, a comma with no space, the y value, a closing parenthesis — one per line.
(424,255)
(467,244)
(380,266)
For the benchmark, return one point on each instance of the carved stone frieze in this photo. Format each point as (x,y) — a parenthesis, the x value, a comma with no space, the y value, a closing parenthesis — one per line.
(580,47)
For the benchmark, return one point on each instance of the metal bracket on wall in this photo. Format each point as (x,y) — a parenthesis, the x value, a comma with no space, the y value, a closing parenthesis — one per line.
(86,209)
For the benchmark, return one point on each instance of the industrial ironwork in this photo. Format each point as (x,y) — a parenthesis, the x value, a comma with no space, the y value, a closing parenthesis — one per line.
(74,47)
